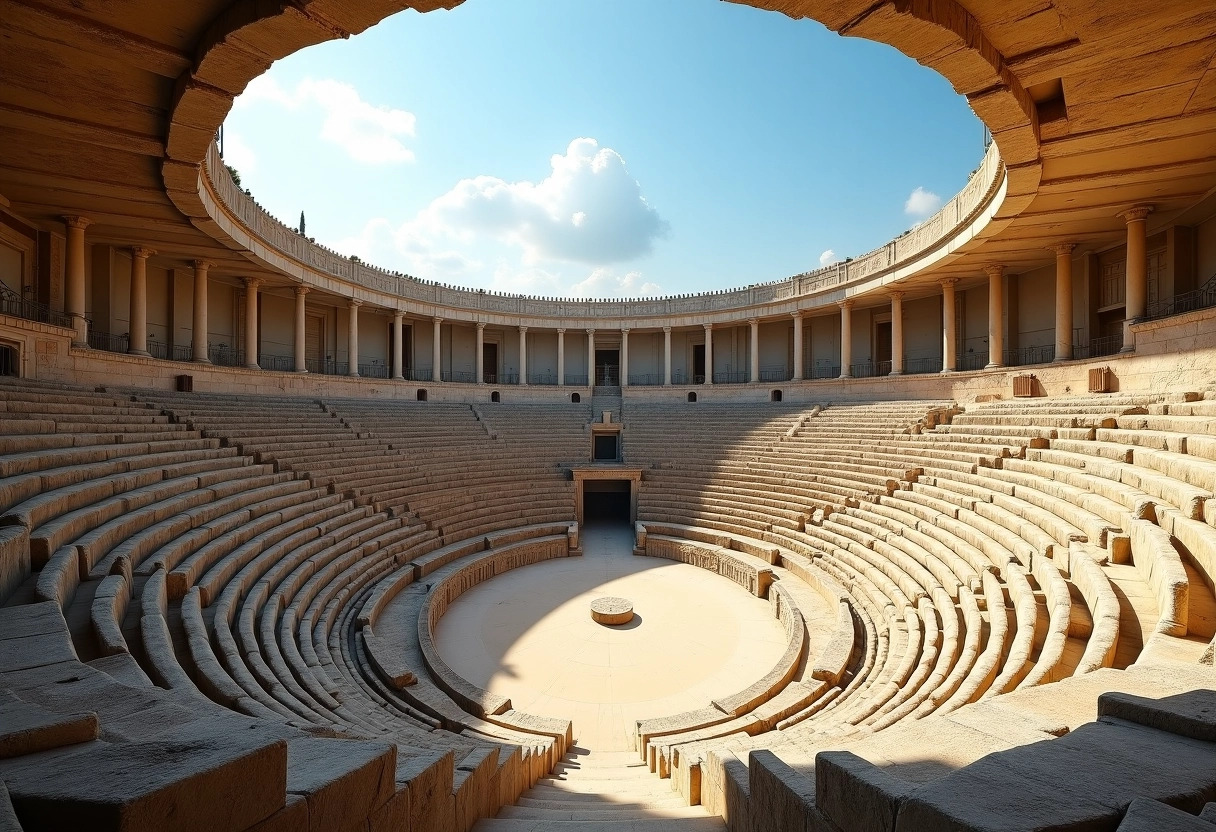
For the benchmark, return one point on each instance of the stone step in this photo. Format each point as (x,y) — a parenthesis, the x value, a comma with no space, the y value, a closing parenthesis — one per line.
(704,824)
(613,813)
(596,802)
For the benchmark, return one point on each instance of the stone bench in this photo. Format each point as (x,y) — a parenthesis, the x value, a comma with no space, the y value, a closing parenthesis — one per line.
(1158,562)
(1087,576)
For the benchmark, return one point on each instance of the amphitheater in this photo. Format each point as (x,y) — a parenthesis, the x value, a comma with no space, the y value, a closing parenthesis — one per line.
(921,541)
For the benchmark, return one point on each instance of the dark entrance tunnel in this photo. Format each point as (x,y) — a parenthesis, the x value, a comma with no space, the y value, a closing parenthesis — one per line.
(606,501)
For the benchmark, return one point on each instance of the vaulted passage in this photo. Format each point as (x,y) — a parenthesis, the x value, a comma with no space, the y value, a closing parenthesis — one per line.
(606,501)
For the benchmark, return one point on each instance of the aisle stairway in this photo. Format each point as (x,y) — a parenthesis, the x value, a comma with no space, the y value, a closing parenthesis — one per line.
(611,791)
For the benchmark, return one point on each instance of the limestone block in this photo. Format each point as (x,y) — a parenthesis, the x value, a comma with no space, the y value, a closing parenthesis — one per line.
(855,794)
(1209,813)
(834,658)
(8,817)
(344,781)
(386,662)
(26,728)
(1146,815)
(781,798)
(1191,714)
(171,782)
(1161,567)
(14,558)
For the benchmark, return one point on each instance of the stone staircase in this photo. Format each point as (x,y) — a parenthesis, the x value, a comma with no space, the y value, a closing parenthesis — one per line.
(606,398)
(610,791)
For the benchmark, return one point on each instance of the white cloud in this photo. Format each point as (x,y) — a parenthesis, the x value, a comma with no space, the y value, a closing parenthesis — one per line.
(828,258)
(588,210)
(368,133)
(238,154)
(922,203)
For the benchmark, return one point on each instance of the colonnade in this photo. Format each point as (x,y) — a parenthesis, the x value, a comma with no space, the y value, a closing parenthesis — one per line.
(1136,306)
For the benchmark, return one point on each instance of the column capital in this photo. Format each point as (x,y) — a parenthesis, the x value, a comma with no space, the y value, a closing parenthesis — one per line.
(523,329)
(847,303)
(1136,212)
(301,291)
(591,331)
(561,330)
(896,295)
(796,314)
(624,330)
(481,324)
(667,329)
(202,265)
(994,270)
(948,282)
(142,253)
(1062,249)
(708,327)
(753,321)
(75,221)
(353,303)
(252,282)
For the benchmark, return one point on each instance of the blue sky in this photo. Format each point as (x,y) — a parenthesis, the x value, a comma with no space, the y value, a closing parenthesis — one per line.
(593,148)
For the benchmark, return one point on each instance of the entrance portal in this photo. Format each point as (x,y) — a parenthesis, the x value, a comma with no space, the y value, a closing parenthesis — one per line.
(698,364)
(489,363)
(606,501)
(607,368)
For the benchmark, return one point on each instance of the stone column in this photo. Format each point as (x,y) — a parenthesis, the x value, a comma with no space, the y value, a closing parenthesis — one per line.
(798,371)
(74,267)
(352,338)
(561,357)
(996,316)
(709,353)
(846,338)
(897,333)
(436,356)
(1136,295)
(301,320)
(137,338)
(666,356)
(251,322)
(754,373)
(949,342)
(398,346)
(624,358)
(198,335)
(1064,301)
(481,352)
(591,358)
(523,355)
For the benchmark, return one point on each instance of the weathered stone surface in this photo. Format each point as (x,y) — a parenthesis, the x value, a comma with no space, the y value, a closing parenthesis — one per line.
(612,611)
(856,795)
(1145,815)
(344,781)
(156,785)
(26,728)
(1191,714)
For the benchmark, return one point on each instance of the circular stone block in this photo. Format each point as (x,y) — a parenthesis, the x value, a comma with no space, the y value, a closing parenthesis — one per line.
(612,610)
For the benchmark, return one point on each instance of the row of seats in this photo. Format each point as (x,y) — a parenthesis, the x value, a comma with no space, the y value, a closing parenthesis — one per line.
(1014,544)
(170,554)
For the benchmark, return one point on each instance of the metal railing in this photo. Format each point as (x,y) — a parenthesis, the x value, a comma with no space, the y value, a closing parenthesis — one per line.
(108,343)
(223,355)
(869,369)
(972,361)
(1201,298)
(607,375)
(646,379)
(543,379)
(776,373)
(1044,354)
(281,363)
(462,376)
(823,369)
(376,369)
(919,366)
(1099,347)
(576,381)
(731,377)
(12,303)
(170,352)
